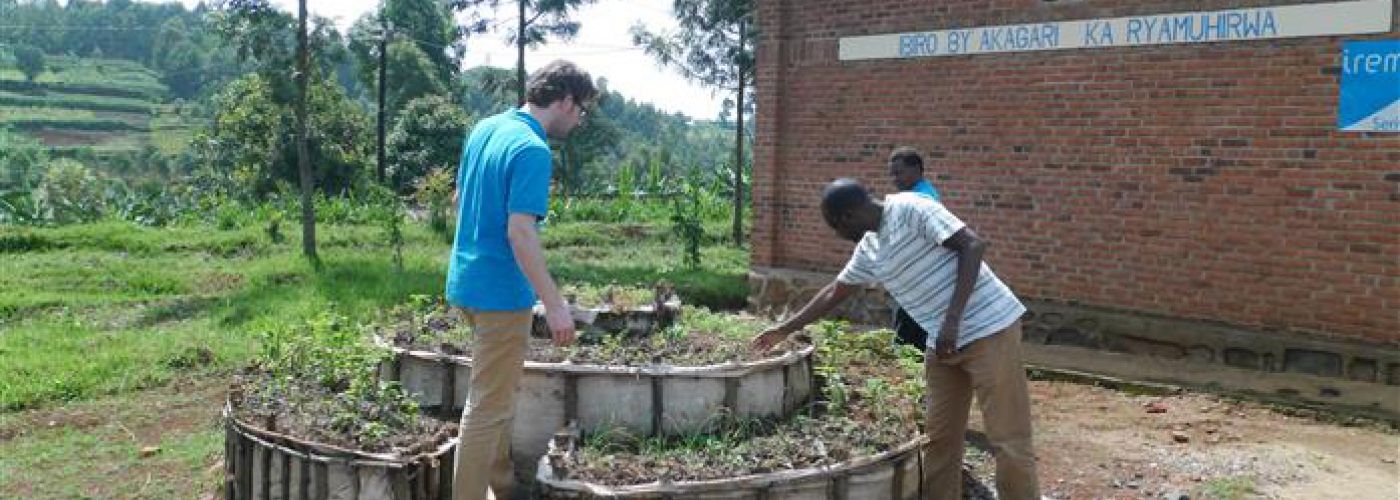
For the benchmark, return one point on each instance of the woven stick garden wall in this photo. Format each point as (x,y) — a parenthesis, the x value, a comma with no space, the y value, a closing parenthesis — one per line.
(892,475)
(646,401)
(263,465)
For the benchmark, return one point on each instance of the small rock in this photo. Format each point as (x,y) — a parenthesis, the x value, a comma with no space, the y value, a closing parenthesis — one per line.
(1155,407)
(1388,460)
(1180,437)
(149,451)
(1176,495)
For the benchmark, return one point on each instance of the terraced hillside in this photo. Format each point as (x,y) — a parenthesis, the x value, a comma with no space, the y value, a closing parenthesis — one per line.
(107,105)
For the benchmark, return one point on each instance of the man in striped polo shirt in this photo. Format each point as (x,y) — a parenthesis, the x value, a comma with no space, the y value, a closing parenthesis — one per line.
(931,263)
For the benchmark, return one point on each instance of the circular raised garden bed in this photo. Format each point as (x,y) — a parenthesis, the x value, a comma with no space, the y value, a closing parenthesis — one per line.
(264,465)
(860,440)
(641,400)
(891,475)
(309,418)
(680,380)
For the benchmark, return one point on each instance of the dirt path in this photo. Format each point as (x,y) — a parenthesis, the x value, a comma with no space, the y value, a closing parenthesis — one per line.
(1100,443)
(1092,443)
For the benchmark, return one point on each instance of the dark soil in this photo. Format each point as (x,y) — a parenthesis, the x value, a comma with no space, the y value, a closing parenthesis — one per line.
(801,443)
(699,338)
(869,404)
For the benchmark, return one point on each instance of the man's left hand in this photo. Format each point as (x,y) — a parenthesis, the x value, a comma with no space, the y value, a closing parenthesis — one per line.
(947,344)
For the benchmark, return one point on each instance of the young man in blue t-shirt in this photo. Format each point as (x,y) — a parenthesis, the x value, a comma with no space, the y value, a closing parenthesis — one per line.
(497,268)
(907,174)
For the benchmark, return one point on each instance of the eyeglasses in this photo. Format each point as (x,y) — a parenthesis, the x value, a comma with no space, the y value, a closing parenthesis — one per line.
(583,110)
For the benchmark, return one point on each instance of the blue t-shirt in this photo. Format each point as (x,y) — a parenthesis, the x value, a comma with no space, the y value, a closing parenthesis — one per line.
(505,170)
(925,188)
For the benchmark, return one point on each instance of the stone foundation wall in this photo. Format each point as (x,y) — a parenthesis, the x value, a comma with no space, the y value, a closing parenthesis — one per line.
(1306,367)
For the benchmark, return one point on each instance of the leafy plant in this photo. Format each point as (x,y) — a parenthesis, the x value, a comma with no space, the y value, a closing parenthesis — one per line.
(70,192)
(390,216)
(687,221)
(434,193)
(327,364)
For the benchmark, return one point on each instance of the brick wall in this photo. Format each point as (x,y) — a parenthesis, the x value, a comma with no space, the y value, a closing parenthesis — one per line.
(1200,181)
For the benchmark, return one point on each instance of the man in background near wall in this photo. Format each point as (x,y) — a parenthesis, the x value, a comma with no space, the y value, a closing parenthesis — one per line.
(907,174)
(498,268)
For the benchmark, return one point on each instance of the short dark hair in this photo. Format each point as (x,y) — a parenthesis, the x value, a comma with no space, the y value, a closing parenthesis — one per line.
(557,80)
(841,197)
(905,156)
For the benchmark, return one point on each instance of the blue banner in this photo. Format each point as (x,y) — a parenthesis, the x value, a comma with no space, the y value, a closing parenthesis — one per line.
(1370,100)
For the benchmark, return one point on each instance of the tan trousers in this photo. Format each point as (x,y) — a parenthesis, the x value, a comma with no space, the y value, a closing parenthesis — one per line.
(991,368)
(499,339)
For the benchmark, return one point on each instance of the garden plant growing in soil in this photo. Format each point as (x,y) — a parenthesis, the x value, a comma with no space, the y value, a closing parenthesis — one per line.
(317,382)
(700,337)
(870,403)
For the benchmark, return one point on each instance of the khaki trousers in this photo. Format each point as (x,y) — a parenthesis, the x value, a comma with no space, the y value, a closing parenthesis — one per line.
(991,368)
(499,339)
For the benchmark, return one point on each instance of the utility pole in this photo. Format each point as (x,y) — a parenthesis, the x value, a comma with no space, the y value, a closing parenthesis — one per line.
(520,56)
(383,70)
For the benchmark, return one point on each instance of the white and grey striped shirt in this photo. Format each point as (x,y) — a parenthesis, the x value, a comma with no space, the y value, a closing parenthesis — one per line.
(906,255)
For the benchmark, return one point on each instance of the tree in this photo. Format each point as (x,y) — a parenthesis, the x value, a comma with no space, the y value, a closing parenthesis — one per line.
(308,183)
(427,24)
(30,61)
(486,90)
(536,21)
(714,47)
(252,136)
(428,135)
(267,40)
(413,75)
(20,159)
(596,138)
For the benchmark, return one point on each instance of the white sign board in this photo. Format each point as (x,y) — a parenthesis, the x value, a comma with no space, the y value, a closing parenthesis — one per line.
(1263,23)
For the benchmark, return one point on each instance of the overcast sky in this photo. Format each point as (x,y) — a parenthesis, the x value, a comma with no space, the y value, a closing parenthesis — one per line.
(603,47)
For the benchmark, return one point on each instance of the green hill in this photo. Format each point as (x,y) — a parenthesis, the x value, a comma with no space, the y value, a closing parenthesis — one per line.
(105,105)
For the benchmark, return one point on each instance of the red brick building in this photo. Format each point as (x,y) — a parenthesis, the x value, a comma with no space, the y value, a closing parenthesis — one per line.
(1188,201)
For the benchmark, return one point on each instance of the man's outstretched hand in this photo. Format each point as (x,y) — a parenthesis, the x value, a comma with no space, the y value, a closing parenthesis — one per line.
(765,341)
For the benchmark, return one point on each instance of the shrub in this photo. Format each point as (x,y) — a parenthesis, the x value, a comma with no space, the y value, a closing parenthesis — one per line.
(434,193)
(69,192)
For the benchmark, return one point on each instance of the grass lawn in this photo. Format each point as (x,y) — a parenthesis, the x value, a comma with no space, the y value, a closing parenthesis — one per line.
(115,337)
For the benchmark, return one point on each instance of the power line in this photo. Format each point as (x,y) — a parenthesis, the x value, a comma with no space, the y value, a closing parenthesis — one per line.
(635,3)
(41,27)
